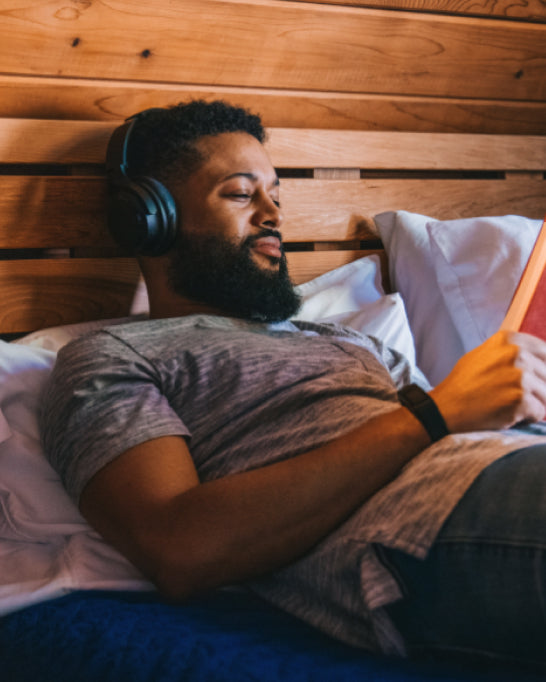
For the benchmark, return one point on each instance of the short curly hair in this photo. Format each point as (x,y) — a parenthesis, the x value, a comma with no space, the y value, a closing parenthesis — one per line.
(162,142)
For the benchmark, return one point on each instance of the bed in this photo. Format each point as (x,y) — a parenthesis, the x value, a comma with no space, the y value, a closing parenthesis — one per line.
(412,196)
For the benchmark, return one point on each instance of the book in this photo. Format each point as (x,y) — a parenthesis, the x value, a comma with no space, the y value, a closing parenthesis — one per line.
(527,310)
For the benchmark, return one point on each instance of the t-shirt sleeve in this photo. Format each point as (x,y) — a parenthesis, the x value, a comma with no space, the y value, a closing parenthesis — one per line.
(102,399)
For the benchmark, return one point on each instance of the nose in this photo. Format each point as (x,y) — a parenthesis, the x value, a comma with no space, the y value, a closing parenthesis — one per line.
(268,214)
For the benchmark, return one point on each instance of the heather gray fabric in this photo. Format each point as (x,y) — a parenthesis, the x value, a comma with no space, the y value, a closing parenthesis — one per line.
(246,394)
(242,393)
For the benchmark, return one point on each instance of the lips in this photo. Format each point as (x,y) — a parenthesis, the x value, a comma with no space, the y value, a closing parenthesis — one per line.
(268,246)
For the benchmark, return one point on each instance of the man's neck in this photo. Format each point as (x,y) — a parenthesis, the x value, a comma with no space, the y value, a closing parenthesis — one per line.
(163,301)
(179,306)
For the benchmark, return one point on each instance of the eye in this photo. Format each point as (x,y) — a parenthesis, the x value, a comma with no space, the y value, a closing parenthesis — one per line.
(242,196)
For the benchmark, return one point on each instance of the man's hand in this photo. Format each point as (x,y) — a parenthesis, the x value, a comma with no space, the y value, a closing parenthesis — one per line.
(496,385)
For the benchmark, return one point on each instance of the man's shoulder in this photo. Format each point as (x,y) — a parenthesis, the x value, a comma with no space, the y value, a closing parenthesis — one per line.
(150,337)
(120,332)
(108,341)
(160,338)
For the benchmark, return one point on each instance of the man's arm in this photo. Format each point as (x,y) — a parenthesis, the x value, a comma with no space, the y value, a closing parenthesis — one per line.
(188,537)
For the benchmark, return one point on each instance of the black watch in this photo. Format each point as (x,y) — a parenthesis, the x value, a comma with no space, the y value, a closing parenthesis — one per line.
(419,403)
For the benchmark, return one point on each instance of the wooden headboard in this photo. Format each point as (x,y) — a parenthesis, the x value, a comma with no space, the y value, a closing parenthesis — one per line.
(370,107)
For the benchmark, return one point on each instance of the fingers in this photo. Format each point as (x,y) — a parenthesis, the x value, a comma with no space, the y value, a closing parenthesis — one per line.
(526,342)
(532,410)
(498,384)
(533,383)
(530,360)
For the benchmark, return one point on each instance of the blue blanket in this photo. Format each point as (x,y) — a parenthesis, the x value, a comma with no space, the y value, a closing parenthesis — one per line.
(231,636)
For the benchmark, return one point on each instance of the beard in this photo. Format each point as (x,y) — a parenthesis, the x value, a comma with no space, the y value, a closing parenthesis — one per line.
(216,271)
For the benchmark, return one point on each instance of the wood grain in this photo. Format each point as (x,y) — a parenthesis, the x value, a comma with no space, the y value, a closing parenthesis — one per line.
(305,266)
(77,142)
(342,210)
(67,212)
(52,212)
(527,10)
(281,44)
(411,151)
(61,142)
(88,99)
(45,293)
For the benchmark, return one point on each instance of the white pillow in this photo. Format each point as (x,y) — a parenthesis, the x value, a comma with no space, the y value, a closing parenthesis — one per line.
(33,504)
(353,295)
(456,277)
(412,274)
(345,288)
(54,338)
(479,263)
(46,547)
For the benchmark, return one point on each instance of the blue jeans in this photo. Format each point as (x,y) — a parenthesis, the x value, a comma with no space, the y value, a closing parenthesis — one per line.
(481,591)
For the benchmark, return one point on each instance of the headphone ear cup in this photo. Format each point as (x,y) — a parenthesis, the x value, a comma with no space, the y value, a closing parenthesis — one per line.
(142,215)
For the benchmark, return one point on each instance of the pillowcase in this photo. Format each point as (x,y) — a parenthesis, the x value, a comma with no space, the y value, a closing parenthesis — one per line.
(353,296)
(33,502)
(54,338)
(411,272)
(456,277)
(346,288)
(46,547)
(479,263)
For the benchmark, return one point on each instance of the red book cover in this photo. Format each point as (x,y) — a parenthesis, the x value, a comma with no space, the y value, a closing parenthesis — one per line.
(527,311)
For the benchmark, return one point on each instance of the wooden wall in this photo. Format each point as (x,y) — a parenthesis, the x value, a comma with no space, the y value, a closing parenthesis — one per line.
(401,79)
(412,65)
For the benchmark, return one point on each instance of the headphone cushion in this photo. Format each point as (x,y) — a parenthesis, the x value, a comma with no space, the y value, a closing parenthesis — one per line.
(142,215)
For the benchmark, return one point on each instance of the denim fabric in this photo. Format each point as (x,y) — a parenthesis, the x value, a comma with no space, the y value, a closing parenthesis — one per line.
(481,591)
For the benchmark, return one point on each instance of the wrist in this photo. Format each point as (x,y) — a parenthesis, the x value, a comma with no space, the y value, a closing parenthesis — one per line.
(422,406)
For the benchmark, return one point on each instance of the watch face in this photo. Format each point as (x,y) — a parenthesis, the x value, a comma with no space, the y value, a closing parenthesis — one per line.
(413,394)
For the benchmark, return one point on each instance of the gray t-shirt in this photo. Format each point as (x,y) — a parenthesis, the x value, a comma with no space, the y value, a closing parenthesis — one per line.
(247,394)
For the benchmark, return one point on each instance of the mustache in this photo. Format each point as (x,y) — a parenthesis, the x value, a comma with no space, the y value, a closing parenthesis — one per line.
(264,232)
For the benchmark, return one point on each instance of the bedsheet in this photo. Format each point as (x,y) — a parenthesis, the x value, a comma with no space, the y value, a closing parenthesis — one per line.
(231,635)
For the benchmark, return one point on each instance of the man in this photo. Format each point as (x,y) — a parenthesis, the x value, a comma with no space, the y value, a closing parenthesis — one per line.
(219,443)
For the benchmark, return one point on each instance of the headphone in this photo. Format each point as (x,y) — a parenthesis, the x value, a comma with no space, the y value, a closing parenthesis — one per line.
(141,211)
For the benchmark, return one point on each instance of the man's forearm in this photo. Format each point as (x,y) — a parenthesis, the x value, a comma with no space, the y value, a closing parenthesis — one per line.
(246,524)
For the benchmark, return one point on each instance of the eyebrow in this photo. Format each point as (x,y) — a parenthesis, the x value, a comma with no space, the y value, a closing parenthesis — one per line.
(250,176)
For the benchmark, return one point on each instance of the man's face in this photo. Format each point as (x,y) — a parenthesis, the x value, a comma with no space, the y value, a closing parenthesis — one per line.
(229,252)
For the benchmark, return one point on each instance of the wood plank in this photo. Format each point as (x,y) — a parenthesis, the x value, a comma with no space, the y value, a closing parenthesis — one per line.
(52,212)
(410,151)
(62,142)
(526,10)
(277,44)
(88,99)
(307,265)
(76,142)
(345,208)
(45,293)
(65,212)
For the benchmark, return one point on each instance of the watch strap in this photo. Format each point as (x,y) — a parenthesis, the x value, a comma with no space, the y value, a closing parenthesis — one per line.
(420,404)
